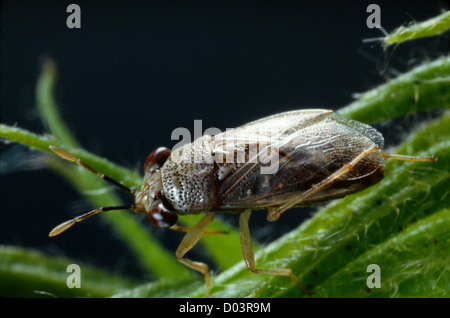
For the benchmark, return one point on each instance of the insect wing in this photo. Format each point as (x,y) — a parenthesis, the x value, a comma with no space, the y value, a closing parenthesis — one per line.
(260,136)
(305,147)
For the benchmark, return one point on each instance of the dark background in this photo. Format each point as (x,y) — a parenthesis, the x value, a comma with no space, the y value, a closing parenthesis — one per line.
(137,70)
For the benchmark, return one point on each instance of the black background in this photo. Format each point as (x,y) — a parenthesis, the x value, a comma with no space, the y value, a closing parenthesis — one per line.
(137,70)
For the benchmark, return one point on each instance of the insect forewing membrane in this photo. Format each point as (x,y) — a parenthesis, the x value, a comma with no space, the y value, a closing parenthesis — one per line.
(310,146)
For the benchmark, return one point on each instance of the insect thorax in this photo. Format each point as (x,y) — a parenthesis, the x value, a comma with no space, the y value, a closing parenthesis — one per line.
(189,187)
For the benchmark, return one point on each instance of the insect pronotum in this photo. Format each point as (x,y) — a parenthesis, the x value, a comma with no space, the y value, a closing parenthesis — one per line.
(291,159)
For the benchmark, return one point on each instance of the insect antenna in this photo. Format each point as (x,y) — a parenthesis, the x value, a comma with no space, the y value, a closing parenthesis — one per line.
(69,157)
(65,225)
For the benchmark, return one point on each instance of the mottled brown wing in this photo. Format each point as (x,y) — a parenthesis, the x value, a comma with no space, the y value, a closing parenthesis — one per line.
(299,149)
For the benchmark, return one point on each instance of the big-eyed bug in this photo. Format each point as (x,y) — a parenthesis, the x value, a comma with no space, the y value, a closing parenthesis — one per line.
(319,154)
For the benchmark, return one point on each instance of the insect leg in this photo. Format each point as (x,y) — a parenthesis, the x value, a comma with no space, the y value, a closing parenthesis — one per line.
(408,158)
(188,242)
(249,256)
(274,214)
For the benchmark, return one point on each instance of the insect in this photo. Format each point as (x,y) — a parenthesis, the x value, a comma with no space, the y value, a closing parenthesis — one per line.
(315,156)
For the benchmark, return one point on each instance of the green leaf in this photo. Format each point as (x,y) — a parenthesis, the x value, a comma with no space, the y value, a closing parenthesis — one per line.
(424,88)
(46,104)
(29,273)
(414,263)
(427,28)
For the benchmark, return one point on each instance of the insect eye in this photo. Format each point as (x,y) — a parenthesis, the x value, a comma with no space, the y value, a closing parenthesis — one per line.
(162,216)
(156,159)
